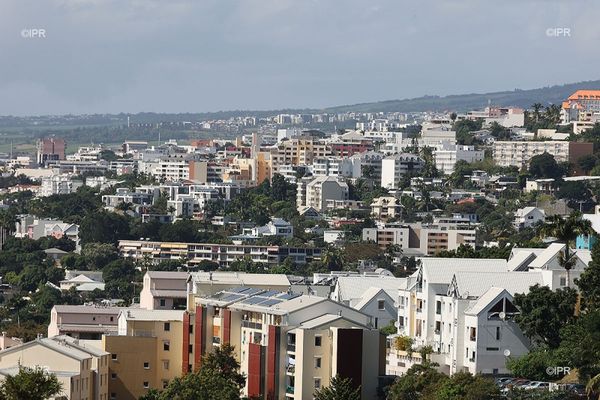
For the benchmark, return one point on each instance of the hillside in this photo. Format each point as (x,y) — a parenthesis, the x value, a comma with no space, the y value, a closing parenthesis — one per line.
(519,98)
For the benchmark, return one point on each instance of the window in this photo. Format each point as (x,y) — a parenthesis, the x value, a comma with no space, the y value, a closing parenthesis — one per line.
(146,385)
(166,345)
(162,302)
(563,281)
(381,304)
(113,396)
(317,383)
(497,333)
(146,365)
(472,334)
(438,327)
(165,364)
(438,307)
(165,383)
(317,362)
(191,328)
(113,376)
(113,357)
(167,326)
(492,349)
(190,348)
(112,319)
(318,341)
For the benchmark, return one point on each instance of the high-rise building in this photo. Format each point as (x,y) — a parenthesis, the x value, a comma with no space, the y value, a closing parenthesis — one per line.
(50,149)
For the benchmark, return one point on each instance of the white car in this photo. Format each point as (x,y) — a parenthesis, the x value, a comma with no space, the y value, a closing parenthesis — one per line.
(537,385)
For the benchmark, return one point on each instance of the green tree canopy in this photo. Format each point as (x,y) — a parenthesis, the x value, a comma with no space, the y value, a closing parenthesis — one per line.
(339,389)
(30,384)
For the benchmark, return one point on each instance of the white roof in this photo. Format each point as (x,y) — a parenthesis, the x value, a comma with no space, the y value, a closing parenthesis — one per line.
(168,275)
(319,321)
(240,278)
(140,314)
(520,260)
(475,284)
(90,286)
(354,287)
(441,270)
(371,293)
(482,302)
(547,255)
(68,309)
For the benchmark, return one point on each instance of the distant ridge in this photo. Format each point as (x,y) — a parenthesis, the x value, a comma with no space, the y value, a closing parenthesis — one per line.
(463,102)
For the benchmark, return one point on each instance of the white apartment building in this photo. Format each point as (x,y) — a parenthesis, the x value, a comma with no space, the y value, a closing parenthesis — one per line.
(527,217)
(395,166)
(388,236)
(465,309)
(446,158)
(315,192)
(347,167)
(59,184)
(384,208)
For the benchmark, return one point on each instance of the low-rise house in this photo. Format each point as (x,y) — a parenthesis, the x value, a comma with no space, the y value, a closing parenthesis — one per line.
(528,217)
(82,280)
(164,290)
(83,322)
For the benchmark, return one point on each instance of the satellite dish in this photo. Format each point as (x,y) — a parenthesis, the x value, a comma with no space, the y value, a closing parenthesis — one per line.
(507,353)
(502,315)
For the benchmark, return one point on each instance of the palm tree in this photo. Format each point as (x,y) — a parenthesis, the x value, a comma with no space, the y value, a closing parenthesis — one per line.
(536,111)
(566,230)
(332,259)
(593,387)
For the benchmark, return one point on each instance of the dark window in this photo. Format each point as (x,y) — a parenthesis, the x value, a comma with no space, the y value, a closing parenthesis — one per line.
(318,341)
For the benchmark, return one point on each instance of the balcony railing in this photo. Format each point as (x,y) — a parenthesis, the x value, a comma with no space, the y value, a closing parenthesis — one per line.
(289,389)
(251,325)
(291,347)
(291,369)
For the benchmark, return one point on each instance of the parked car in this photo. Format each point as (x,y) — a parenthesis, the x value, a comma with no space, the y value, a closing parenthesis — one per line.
(537,385)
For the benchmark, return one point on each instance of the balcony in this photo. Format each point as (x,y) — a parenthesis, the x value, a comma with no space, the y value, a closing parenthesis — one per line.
(251,325)
(291,347)
(289,390)
(290,370)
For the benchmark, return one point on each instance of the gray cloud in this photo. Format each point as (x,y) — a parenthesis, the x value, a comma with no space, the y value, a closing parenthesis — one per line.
(205,55)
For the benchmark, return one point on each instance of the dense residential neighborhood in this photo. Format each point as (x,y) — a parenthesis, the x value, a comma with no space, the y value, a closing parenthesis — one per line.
(455,245)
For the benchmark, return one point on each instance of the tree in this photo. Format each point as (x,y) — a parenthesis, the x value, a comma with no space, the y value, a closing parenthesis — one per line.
(544,312)
(419,382)
(587,162)
(465,386)
(218,378)
(30,384)
(566,231)
(544,166)
(104,227)
(339,389)
(589,281)
(534,364)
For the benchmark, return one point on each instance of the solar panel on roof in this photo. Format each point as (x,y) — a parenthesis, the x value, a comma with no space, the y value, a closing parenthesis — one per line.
(252,300)
(252,291)
(238,289)
(232,297)
(270,293)
(270,302)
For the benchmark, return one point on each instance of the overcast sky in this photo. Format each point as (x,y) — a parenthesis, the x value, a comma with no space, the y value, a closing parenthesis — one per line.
(207,55)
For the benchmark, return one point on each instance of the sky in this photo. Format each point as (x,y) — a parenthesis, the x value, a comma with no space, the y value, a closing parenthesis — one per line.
(111,56)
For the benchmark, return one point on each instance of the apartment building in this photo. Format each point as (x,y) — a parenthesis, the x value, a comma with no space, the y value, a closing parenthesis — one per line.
(580,106)
(50,149)
(387,236)
(300,150)
(314,192)
(393,168)
(59,184)
(337,166)
(83,322)
(288,345)
(223,254)
(518,154)
(164,290)
(446,157)
(427,239)
(465,309)
(146,353)
(384,208)
(81,368)
(528,217)
(127,196)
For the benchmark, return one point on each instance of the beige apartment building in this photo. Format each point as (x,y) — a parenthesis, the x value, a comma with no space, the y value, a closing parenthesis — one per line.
(518,153)
(384,208)
(298,151)
(316,192)
(164,290)
(146,353)
(288,345)
(83,322)
(81,368)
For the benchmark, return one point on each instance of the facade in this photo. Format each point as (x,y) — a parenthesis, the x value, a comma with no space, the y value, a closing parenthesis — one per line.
(385,237)
(82,369)
(528,217)
(518,154)
(164,290)
(146,353)
(384,208)
(83,322)
(31,227)
(315,192)
(223,254)
(288,345)
(396,166)
(581,106)
(59,184)
(446,158)
(50,149)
